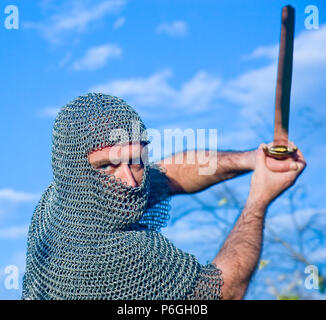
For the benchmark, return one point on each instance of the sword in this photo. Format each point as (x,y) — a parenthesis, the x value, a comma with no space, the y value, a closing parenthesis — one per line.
(280,148)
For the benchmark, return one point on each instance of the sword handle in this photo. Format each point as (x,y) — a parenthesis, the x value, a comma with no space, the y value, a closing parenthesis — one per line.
(280,148)
(284,77)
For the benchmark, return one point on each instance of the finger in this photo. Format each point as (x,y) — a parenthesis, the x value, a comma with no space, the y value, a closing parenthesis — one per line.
(299,159)
(291,144)
(260,155)
(297,165)
(301,164)
(270,144)
(277,165)
(299,155)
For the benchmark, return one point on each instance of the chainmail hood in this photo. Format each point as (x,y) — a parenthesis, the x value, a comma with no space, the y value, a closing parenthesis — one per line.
(87,124)
(92,236)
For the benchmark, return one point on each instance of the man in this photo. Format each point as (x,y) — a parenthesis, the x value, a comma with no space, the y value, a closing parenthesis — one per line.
(95,231)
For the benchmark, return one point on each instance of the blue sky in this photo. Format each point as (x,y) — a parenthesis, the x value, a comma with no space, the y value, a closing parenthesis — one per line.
(182,64)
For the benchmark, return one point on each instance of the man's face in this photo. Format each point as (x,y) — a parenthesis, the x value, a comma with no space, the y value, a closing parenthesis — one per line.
(123,161)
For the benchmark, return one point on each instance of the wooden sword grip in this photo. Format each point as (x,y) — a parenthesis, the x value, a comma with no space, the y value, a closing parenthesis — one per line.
(284,77)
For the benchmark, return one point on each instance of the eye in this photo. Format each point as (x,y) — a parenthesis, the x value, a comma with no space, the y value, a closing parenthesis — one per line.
(107,167)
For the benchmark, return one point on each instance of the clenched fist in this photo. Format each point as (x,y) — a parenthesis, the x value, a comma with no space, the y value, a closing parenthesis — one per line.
(272,177)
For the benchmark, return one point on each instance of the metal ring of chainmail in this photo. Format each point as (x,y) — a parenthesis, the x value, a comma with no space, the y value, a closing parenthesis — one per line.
(92,236)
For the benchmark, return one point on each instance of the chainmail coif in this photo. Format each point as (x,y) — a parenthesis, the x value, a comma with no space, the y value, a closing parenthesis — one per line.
(94,237)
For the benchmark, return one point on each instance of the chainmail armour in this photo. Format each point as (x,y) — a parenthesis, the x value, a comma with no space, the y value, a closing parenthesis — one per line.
(94,237)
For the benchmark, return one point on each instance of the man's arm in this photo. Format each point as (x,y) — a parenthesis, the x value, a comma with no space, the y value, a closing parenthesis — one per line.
(185,169)
(194,171)
(240,253)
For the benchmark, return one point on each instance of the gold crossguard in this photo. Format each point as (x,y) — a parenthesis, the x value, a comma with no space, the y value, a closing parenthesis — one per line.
(280,151)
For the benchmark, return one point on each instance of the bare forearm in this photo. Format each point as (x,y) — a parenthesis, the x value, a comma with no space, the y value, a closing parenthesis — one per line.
(240,253)
(194,171)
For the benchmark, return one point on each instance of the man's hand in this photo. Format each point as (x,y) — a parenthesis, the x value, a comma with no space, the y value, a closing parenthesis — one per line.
(272,177)
(280,165)
(240,253)
(272,164)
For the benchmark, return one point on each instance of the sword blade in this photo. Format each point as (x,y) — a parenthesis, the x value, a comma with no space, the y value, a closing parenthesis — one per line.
(284,77)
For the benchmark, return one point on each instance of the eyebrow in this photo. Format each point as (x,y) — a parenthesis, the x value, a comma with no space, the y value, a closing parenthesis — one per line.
(102,162)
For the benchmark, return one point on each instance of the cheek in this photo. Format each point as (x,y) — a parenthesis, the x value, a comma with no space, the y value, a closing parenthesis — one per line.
(138,175)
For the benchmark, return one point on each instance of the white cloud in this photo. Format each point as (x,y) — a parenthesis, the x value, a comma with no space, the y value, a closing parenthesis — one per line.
(14,232)
(192,228)
(96,57)
(318,256)
(286,224)
(269,52)
(199,91)
(50,112)
(254,90)
(155,91)
(239,137)
(194,232)
(63,62)
(17,196)
(251,93)
(175,29)
(309,47)
(74,17)
(144,91)
(119,23)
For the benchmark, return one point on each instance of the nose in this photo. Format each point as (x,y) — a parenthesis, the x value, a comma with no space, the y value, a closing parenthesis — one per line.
(126,175)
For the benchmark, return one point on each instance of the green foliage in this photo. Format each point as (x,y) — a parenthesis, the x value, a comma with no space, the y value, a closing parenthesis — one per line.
(288,297)
(263,264)
(322,283)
